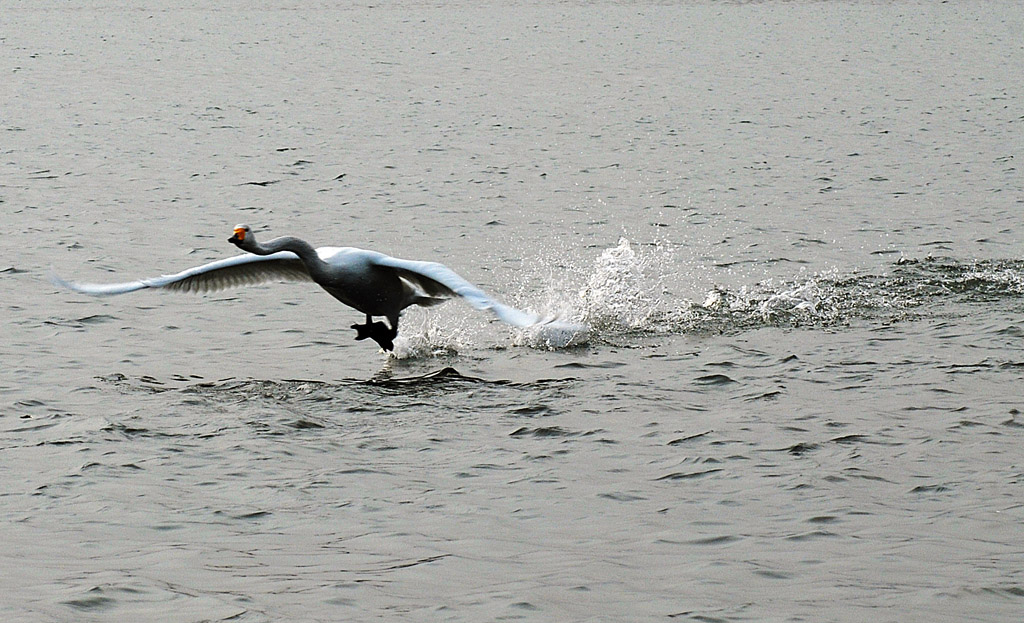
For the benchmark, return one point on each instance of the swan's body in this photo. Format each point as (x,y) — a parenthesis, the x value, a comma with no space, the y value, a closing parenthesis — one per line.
(370,282)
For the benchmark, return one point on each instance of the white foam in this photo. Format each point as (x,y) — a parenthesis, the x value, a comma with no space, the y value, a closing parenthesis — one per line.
(554,335)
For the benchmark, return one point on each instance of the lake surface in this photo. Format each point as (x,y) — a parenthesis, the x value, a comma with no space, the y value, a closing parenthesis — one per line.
(794,228)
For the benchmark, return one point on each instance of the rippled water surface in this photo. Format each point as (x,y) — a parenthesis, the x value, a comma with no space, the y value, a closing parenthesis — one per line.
(794,229)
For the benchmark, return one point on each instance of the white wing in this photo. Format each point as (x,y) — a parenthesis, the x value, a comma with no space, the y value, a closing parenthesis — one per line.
(439,280)
(232,272)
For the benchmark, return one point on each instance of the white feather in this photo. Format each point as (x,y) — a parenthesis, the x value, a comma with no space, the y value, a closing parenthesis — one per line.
(231,272)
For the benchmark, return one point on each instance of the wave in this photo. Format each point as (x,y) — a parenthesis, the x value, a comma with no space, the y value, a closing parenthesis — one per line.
(384,379)
(903,292)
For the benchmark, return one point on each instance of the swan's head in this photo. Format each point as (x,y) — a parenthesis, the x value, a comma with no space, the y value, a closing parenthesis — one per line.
(242,232)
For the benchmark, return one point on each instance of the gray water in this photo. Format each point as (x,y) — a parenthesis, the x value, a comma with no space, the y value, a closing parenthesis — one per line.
(793,226)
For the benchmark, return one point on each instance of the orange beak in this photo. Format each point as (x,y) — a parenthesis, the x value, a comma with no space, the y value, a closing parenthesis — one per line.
(240,234)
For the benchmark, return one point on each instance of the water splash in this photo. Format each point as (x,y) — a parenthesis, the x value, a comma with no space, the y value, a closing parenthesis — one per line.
(553,335)
(620,293)
(816,300)
(624,292)
(423,336)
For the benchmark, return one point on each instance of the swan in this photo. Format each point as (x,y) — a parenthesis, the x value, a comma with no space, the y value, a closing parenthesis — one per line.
(370,282)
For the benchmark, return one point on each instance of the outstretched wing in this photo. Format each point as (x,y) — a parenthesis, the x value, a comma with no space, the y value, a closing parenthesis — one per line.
(232,272)
(440,281)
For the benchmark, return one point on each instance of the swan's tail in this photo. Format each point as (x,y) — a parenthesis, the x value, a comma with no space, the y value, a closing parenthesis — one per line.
(429,301)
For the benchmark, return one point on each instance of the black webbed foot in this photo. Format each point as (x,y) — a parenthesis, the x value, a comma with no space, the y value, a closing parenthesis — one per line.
(370,329)
(378,332)
(385,339)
